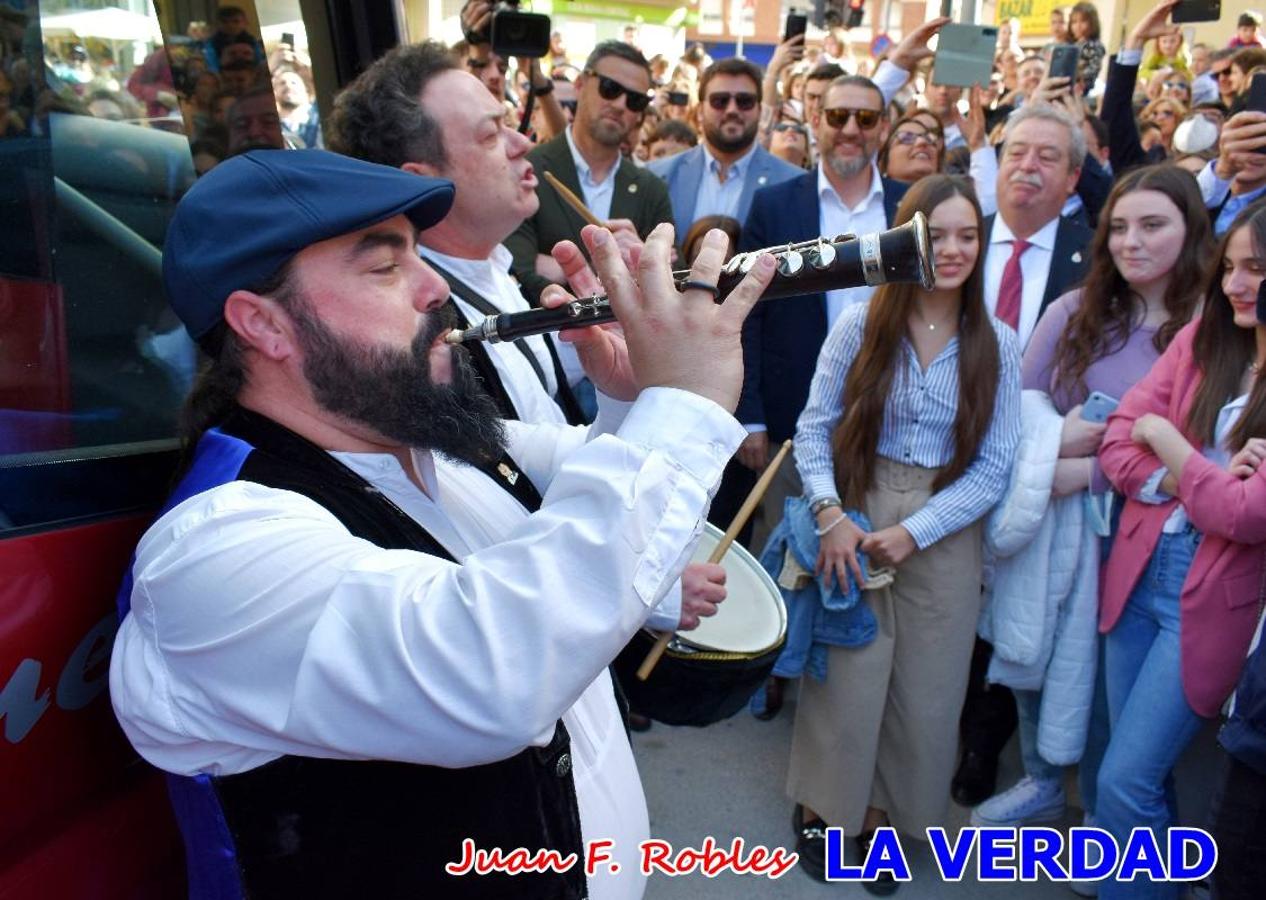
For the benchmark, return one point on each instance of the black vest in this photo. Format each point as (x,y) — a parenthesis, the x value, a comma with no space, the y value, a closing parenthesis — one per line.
(307,827)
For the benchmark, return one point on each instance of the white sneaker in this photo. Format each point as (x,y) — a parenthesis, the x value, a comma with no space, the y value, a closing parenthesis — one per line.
(1085,888)
(1029,800)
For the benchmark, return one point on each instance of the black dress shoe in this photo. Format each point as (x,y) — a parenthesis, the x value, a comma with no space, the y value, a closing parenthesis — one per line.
(975,780)
(639,722)
(773,699)
(811,845)
(884,884)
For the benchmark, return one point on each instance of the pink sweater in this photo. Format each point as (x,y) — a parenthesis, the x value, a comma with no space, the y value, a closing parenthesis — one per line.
(1220,598)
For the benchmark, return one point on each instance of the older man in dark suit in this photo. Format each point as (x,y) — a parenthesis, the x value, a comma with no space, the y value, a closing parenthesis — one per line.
(1032,256)
(613,93)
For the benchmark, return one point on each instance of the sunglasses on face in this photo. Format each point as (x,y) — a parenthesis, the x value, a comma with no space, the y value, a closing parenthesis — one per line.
(1163,114)
(789,126)
(610,89)
(1170,85)
(721,100)
(839,116)
(1222,73)
(569,105)
(678,98)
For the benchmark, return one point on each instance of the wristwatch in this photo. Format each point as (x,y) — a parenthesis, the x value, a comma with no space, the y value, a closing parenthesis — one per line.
(542,90)
(825,503)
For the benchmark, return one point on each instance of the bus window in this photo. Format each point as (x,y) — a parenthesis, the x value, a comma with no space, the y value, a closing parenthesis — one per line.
(93,364)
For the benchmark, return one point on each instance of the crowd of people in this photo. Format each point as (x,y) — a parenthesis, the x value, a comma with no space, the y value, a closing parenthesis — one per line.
(1029,495)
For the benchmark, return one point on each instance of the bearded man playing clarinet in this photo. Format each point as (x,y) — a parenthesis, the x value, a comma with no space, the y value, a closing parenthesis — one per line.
(374,620)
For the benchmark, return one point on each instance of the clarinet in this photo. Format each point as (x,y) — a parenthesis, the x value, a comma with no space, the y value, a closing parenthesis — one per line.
(901,254)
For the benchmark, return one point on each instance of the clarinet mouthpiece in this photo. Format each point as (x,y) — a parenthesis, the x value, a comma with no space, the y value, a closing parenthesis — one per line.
(456,336)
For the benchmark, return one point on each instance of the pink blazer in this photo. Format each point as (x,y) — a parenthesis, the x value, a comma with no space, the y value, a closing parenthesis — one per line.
(1219,602)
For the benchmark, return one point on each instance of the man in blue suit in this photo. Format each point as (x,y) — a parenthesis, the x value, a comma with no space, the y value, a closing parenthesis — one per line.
(721,174)
(781,339)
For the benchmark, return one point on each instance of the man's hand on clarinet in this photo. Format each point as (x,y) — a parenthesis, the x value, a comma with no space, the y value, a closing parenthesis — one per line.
(680,339)
(702,589)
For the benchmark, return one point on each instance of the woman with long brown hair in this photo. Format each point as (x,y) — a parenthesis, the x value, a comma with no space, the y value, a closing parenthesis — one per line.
(1182,587)
(1149,257)
(913,420)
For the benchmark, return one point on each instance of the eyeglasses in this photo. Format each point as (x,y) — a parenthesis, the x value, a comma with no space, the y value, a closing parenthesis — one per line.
(610,89)
(1221,73)
(1163,114)
(839,116)
(569,105)
(910,138)
(790,126)
(678,98)
(721,101)
(1177,84)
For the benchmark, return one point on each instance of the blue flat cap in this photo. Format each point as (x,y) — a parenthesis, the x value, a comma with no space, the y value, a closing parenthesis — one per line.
(249,215)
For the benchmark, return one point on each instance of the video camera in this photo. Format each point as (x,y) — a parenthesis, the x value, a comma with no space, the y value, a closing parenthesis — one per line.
(515,33)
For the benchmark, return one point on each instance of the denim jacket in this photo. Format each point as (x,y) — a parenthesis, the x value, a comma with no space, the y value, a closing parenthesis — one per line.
(817,616)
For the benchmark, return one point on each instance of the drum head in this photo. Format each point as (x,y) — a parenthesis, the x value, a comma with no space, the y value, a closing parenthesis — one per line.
(752,618)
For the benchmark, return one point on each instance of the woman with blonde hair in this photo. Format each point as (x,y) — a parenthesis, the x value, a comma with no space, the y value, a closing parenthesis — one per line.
(1166,114)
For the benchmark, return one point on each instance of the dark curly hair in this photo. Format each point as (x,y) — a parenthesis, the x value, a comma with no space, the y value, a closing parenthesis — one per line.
(1110,310)
(379,116)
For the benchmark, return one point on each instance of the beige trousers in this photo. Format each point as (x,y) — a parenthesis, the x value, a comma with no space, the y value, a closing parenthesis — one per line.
(882,730)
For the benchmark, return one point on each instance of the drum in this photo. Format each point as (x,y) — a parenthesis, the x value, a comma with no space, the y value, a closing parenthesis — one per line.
(709,674)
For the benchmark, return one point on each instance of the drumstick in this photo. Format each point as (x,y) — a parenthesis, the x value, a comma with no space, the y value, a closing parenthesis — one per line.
(573,201)
(744,513)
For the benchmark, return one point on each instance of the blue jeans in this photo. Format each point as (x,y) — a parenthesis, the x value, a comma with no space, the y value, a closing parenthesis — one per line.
(1152,724)
(1028,705)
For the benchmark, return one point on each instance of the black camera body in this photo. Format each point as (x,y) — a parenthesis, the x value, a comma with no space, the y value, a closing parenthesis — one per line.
(515,33)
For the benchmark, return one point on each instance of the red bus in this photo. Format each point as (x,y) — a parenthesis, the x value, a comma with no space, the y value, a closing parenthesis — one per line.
(98,109)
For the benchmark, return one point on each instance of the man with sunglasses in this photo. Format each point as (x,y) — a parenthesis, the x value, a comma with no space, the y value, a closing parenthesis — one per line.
(720,175)
(612,93)
(844,193)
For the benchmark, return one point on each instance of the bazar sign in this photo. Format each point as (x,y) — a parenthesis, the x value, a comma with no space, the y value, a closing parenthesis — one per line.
(677,17)
(1034,15)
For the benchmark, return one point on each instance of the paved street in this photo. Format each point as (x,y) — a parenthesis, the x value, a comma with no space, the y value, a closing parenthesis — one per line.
(727,780)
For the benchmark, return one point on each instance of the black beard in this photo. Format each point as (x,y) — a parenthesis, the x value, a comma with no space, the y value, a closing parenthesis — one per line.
(390,390)
(731,145)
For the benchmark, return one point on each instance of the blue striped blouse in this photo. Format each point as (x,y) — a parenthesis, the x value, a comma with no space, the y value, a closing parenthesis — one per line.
(918,426)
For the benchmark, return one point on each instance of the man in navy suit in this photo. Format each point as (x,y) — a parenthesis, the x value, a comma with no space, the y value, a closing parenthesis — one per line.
(720,175)
(843,194)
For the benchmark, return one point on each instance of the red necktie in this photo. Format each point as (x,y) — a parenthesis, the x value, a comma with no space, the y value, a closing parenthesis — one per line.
(1011,289)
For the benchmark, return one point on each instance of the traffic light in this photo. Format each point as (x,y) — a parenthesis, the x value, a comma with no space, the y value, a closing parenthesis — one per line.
(856,9)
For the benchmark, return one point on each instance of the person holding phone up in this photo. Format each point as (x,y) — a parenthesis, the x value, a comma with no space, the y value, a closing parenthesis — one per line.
(1237,177)
(1146,278)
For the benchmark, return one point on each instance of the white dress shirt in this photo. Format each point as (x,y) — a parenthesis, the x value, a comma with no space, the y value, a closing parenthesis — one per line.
(835,218)
(260,627)
(1035,266)
(721,198)
(598,194)
(490,278)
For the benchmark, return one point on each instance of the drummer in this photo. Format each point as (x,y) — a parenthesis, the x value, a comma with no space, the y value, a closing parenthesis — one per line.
(346,638)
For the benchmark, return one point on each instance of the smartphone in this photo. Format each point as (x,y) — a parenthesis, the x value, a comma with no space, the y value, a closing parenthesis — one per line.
(288,39)
(796,24)
(964,55)
(1197,11)
(1098,407)
(1261,303)
(1064,61)
(1256,100)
